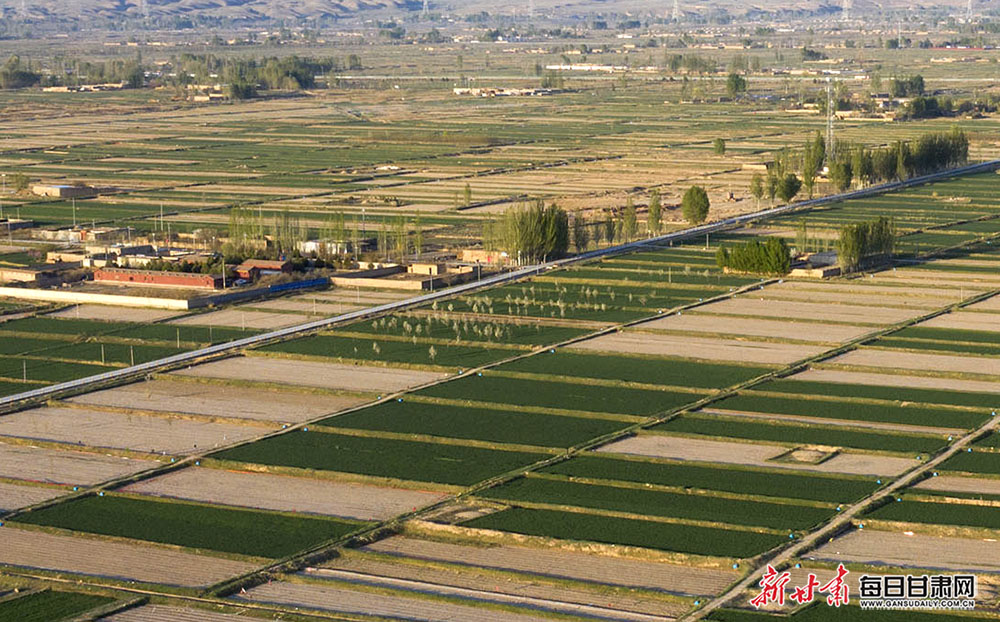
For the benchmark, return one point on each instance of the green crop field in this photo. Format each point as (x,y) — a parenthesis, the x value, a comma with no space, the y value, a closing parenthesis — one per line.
(673,372)
(815,407)
(814,487)
(229,530)
(50,606)
(714,425)
(964,515)
(659,503)
(389,351)
(895,394)
(35,370)
(973,462)
(463,330)
(563,395)
(410,460)
(630,532)
(963,348)
(498,426)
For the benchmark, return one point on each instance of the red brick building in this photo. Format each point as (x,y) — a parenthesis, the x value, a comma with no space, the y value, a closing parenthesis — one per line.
(126,276)
(251,269)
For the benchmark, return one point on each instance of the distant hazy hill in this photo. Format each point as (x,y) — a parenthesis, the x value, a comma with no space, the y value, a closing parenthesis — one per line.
(294,9)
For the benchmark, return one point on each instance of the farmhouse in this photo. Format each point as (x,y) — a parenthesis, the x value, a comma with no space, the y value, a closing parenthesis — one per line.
(43,275)
(252,269)
(154,278)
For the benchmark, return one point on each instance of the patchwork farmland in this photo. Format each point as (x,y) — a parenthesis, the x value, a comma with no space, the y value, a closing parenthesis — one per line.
(627,439)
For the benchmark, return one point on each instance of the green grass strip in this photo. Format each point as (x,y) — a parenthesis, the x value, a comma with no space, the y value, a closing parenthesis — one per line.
(50,606)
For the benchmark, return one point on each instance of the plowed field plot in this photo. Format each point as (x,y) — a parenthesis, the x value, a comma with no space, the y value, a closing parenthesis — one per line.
(733,427)
(776,329)
(65,467)
(976,365)
(476,584)
(885,548)
(96,428)
(657,503)
(961,486)
(561,395)
(700,347)
(48,606)
(117,560)
(461,329)
(851,411)
(13,497)
(229,530)
(815,311)
(646,370)
(990,304)
(969,319)
(164,613)
(899,387)
(218,400)
(409,460)
(340,599)
(779,293)
(333,376)
(772,483)
(285,493)
(679,538)
(563,564)
(678,448)
(498,426)
(239,318)
(113,314)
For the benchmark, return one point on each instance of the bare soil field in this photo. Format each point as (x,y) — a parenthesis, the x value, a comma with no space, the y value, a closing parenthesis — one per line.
(343,600)
(344,294)
(163,613)
(97,428)
(240,318)
(700,347)
(218,400)
(953,483)
(871,546)
(777,329)
(117,560)
(492,593)
(870,357)
(815,311)
(317,307)
(967,320)
(577,566)
(285,493)
(114,314)
(777,292)
(971,282)
(865,287)
(990,304)
(678,448)
(897,380)
(13,497)
(313,374)
(65,467)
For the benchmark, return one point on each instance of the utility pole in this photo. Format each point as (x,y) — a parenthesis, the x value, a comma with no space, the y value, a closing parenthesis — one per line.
(829,119)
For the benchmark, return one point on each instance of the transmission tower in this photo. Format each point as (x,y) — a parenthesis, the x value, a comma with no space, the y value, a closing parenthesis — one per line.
(24,9)
(425,8)
(531,8)
(676,17)
(968,12)
(848,4)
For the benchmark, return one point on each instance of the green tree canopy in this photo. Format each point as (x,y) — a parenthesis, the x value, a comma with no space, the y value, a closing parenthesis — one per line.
(695,204)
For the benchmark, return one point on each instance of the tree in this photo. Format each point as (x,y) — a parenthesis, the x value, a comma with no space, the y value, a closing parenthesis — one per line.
(695,204)
(841,174)
(757,187)
(467,194)
(788,187)
(812,161)
(736,85)
(862,166)
(609,229)
(581,234)
(532,232)
(653,221)
(20,182)
(629,224)
(772,186)
(719,146)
